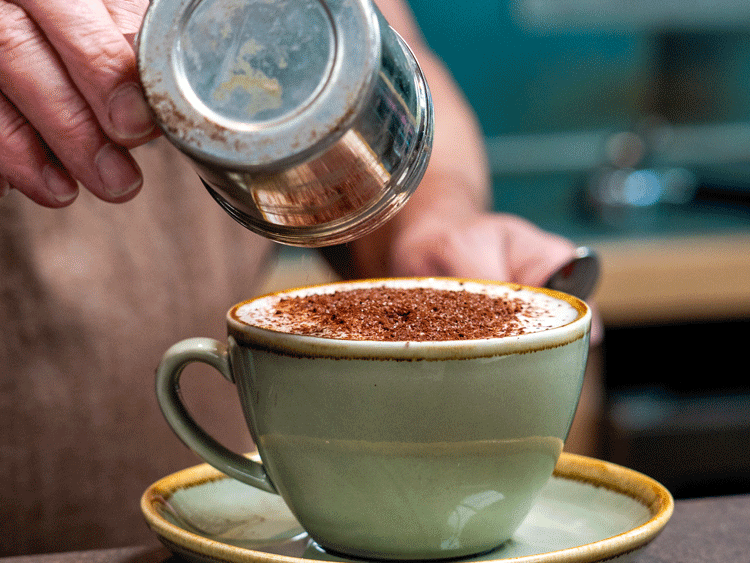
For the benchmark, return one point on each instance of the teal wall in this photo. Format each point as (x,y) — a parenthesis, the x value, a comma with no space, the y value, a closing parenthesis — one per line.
(519,80)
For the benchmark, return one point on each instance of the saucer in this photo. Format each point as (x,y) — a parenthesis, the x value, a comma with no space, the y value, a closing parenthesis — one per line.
(590,510)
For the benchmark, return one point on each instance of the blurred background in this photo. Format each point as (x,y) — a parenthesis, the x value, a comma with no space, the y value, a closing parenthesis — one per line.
(626,127)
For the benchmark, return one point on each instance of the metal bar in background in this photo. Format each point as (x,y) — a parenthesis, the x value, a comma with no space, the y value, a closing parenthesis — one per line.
(584,151)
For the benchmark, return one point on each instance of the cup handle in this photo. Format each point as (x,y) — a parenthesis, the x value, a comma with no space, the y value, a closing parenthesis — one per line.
(215,354)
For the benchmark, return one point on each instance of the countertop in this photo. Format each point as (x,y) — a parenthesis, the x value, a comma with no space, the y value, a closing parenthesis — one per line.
(700,531)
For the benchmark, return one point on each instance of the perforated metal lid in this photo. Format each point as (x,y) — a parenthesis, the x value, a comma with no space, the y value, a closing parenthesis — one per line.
(257,84)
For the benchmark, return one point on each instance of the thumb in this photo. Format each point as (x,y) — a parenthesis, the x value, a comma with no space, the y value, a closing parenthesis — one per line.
(532,253)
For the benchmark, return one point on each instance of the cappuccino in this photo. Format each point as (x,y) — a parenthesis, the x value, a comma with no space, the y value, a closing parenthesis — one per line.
(425,309)
(420,421)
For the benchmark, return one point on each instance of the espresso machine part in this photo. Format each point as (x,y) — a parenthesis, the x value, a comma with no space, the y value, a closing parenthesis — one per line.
(309,121)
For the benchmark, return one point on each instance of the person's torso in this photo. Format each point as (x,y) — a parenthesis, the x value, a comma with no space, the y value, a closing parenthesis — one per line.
(90,297)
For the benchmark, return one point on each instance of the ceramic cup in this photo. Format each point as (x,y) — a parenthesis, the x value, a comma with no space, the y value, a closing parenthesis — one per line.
(395,449)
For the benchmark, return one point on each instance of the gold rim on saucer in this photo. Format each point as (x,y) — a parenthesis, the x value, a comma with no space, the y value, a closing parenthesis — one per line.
(609,486)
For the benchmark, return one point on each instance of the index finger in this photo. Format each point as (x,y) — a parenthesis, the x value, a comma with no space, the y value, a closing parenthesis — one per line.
(88,37)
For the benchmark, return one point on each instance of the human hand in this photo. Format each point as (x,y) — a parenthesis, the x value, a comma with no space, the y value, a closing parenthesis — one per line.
(482,245)
(70,99)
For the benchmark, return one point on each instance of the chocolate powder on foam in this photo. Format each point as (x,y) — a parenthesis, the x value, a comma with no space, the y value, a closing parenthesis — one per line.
(403,314)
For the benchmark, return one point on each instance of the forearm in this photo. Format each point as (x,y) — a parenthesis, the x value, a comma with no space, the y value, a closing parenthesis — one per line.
(457,175)
(458,150)
(458,170)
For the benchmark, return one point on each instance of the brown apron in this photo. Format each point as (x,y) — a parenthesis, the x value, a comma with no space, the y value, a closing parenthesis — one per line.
(90,297)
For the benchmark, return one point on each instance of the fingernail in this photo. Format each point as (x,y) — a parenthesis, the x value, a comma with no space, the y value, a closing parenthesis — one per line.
(62,187)
(119,174)
(129,112)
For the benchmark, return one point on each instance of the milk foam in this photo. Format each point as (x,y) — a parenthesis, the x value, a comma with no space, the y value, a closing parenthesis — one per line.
(542,311)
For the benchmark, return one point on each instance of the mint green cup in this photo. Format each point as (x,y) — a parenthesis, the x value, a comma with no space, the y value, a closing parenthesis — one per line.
(394,450)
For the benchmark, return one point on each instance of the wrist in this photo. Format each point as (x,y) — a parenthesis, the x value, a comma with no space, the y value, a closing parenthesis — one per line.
(443,195)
